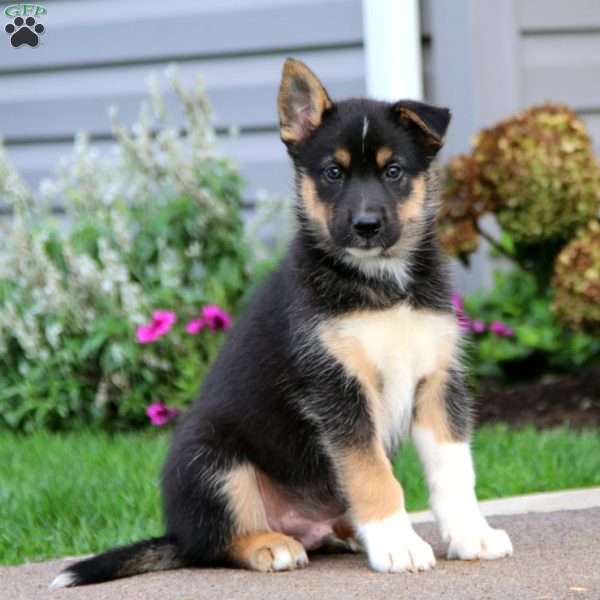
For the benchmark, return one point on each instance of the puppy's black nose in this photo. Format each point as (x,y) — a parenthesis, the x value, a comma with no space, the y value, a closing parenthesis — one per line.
(366,226)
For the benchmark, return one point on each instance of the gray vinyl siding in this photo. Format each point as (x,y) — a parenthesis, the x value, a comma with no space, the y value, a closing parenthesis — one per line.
(493,58)
(97,53)
(559,56)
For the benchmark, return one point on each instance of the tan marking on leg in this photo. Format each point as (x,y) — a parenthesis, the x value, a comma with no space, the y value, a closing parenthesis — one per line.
(412,208)
(372,490)
(314,208)
(344,529)
(241,488)
(430,396)
(383,155)
(430,406)
(343,157)
(261,551)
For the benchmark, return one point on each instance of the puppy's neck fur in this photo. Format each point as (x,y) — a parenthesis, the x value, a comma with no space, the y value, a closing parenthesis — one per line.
(335,285)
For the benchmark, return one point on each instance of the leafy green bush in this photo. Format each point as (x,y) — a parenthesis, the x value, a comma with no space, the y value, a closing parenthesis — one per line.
(516,334)
(155,226)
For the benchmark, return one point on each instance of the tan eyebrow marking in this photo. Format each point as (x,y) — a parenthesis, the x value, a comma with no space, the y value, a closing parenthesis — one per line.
(343,157)
(383,155)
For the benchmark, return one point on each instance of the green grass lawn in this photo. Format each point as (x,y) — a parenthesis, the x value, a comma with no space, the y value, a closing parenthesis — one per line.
(83,492)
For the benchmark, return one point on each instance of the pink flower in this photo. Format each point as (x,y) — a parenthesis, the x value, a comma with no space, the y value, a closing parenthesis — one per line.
(457,302)
(477,326)
(162,321)
(216,318)
(160,414)
(501,329)
(213,317)
(195,326)
(459,308)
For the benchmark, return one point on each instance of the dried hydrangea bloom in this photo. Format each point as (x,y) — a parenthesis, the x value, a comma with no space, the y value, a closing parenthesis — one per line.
(576,280)
(538,170)
(462,204)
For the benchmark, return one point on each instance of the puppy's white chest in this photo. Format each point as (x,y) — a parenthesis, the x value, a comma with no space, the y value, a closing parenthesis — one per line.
(399,347)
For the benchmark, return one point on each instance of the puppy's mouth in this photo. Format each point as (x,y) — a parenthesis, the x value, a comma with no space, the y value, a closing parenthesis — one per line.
(366,252)
(376,247)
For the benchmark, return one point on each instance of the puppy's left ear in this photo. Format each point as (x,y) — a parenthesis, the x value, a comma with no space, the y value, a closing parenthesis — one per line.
(301,102)
(427,123)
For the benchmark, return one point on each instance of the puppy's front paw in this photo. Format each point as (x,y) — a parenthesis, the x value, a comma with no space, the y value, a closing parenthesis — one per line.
(412,554)
(484,543)
(393,546)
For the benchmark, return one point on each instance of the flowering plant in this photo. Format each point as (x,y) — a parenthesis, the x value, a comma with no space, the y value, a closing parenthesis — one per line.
(513,332)
(93,316)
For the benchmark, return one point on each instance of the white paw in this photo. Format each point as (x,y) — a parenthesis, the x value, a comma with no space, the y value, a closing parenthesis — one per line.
(285,560)
(276,552)
(412,554)
(485,543)
(393,546)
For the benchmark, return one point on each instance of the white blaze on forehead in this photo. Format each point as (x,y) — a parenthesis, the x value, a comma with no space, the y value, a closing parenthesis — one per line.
(364,132)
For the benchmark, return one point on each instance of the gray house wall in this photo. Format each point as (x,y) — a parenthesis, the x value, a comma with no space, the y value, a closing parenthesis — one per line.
(491,58)
(97,53)
(483,58)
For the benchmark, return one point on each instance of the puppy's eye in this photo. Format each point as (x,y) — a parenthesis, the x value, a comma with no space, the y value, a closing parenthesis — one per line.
(333,173)
(393,172)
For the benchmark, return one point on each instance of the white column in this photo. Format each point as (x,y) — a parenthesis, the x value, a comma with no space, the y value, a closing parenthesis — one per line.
(392,37)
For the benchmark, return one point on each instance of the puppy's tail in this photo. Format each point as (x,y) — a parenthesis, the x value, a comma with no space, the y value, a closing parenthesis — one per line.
(157,554)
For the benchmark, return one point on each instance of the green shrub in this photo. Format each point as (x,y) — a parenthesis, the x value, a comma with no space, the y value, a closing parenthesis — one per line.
(155,226)
(519,335)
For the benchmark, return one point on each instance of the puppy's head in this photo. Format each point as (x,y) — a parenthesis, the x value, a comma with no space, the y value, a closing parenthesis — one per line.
(360,164)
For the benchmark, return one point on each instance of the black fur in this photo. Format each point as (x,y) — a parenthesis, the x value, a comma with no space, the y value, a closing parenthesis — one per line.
(273,397)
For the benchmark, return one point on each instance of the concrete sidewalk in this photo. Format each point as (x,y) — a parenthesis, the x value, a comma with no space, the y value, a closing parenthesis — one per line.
(557,555)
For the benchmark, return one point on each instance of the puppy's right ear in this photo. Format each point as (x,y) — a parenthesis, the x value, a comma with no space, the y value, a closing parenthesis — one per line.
(301,102)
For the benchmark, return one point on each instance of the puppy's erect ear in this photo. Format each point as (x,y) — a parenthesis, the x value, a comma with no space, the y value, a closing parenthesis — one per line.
(427,123)
(302,101)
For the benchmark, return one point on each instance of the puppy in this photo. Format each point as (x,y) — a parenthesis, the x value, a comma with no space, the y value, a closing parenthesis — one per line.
(349,346)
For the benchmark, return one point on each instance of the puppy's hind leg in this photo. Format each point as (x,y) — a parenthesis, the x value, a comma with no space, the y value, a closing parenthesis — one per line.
(254,545)
(441,434)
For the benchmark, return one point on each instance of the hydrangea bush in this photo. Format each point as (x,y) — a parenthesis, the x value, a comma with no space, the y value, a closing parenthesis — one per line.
(536,171)
(537,174)
(119,305)
(576,280)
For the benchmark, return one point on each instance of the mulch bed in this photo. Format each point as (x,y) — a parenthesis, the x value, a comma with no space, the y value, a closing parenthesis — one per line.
(552,400)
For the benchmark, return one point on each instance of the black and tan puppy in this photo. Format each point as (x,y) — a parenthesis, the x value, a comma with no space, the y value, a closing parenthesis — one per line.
(349,346)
